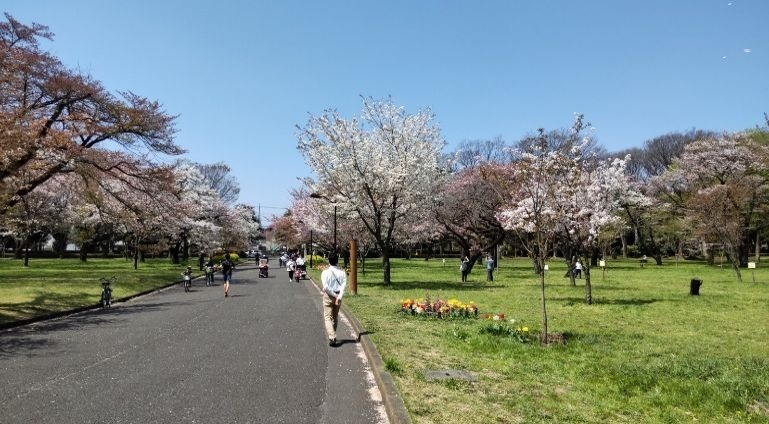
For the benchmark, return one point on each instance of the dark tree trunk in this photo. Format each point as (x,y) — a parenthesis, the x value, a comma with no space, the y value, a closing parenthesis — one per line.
(386,266)
(26,251)
(185,248)
(173,253)
(18,251)
(588,285)
(746,242)
(137,252)
(84,252)
(60,244)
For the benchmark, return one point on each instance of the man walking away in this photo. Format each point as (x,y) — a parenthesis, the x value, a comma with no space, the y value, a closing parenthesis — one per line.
(334,281)
(489,268)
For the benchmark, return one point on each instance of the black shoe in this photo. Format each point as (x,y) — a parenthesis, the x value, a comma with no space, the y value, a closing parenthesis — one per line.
(332,342)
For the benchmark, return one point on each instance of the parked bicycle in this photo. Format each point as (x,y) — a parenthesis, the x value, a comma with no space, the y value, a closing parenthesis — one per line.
(106,291)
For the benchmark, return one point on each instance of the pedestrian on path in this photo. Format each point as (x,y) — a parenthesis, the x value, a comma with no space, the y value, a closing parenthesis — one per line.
(334,281)
(227,267)
(291,267)
(489,268)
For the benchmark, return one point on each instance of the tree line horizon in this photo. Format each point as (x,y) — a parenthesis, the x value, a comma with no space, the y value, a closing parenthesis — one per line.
(79,163)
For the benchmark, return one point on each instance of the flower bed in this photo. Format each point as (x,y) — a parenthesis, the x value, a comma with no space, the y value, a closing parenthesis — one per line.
(439,308)
(501,328)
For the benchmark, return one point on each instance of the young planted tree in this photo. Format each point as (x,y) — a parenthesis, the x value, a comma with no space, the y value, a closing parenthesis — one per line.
(530,208)
(378,168)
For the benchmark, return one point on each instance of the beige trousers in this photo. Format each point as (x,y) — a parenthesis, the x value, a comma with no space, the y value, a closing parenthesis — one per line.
(330,315)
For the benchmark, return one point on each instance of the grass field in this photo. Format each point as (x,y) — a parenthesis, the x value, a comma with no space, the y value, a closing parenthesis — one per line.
(645,351)
(54,285)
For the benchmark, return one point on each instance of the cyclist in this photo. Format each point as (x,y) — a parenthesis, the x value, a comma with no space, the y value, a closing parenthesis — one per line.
(210,272)
(187,274)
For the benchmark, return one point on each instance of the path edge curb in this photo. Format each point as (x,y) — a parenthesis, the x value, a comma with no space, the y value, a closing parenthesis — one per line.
(391,398)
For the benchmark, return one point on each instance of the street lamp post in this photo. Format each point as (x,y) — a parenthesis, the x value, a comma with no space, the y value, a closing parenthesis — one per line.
(311,249)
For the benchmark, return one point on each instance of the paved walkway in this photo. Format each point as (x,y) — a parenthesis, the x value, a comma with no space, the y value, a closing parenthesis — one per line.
(259,356)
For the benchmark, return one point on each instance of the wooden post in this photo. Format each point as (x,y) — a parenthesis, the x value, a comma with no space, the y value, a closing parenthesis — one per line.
(353,266)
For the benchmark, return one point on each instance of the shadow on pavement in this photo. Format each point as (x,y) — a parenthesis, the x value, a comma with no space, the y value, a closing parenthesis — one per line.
(27,339)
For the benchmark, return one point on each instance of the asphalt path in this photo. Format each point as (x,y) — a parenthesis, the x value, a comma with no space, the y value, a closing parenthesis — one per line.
(257,356)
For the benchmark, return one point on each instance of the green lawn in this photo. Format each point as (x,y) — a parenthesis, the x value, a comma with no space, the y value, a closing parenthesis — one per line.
(54,285)
(645,351)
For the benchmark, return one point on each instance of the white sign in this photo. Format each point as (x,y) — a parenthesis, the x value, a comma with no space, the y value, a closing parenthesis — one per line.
(602,264)
(547,267)
(751,265)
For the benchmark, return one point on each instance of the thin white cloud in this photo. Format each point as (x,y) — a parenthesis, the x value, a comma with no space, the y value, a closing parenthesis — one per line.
(746,50)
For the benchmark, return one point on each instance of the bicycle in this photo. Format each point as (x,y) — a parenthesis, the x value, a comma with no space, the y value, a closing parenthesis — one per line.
(106,292)
(187,279)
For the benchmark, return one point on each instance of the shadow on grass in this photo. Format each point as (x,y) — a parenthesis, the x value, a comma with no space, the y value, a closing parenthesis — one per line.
(571,301)
(434,285)
(599,286)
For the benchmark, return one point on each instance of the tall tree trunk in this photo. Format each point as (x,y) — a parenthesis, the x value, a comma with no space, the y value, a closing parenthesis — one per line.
(758,248)
(173,253)
(136,252)
(540,265)
(84,252)
(185,248)
(386,266)
(744,248)
(60,244)
(26,250)
(624,244)
(18,248)
(588,286)
(732,257)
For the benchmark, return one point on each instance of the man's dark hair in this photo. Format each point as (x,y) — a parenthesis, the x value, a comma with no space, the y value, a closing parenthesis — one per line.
(333,259)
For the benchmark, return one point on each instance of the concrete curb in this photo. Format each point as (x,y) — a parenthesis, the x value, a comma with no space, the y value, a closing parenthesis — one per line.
(393,403)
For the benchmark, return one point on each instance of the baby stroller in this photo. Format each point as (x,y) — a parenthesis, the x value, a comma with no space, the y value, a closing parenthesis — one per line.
(264,267)
(301,272)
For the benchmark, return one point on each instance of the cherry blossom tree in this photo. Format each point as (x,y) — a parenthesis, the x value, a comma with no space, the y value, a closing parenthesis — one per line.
(721,183)
(466,207)
(378,168)
(529,210)
(562,190)
(54,120)
(217,176)
(588,203)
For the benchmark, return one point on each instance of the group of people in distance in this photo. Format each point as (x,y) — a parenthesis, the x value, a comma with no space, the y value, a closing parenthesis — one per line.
(226,265)
(295,265)
(333,281)
(464,268)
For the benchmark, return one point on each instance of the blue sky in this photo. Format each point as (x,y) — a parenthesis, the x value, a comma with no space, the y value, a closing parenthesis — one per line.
(242,74)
